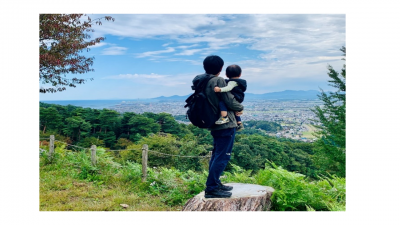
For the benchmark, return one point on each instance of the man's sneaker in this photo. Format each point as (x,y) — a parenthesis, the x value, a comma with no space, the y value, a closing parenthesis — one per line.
(225,187)
(222,120)
(240,127)
(217,193)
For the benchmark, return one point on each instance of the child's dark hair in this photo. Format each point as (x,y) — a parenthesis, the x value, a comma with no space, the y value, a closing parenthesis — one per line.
(233,71)
(213,64)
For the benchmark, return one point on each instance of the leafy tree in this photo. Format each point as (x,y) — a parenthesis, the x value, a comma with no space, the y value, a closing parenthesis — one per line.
(122,143)
(264,125)
(203,135)
(93,119)
(330,151)
(87,142)
(108,119)
(49,117)
(109,138)
(143,125)
(251,152)
(61,38)
(125,127)
(169,125)
(76,127)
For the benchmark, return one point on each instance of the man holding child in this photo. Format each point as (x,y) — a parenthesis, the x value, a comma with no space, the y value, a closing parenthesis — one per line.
(223,133)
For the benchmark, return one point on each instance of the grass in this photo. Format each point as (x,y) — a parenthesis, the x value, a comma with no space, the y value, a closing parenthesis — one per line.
(59,193)
(65,185)
(309,133)
(70,183)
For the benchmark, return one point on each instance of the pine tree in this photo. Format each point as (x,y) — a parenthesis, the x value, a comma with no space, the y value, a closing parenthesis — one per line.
(330,148)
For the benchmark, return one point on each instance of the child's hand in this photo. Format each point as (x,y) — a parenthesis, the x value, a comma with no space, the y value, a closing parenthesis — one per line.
(239,113)
(217,89)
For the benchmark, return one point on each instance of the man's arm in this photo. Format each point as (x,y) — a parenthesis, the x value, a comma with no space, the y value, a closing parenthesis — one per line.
(229,99)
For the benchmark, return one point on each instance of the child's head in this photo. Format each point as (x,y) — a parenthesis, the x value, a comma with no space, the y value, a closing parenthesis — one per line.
(213,64)
(233,71)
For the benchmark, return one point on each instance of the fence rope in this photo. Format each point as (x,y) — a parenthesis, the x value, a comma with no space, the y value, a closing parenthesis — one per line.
(184,156)
(71,145)
(44,138)
(112,150)
(160,153)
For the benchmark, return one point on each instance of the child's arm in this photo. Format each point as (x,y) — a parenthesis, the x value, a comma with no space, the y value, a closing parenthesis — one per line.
(229,87)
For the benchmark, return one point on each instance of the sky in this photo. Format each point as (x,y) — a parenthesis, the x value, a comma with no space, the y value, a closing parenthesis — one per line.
(152,55)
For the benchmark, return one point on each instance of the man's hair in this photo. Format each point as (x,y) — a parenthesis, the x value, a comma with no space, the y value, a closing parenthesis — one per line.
(213,64)
(233,71)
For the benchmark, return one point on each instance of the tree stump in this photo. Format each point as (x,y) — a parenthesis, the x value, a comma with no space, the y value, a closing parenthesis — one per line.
(245,197)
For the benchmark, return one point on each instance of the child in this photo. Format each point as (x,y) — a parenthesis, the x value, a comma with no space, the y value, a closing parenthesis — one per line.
(237,87)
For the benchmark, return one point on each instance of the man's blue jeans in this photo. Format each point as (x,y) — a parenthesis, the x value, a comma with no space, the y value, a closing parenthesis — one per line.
(223,144)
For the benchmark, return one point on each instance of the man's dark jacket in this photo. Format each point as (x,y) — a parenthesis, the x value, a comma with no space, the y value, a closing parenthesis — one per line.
(231,103)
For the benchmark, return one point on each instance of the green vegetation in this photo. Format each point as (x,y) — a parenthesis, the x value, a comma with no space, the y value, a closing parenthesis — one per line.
(107,128)
(330,148)
(70,183)
(181,118)
(311,131)
(263,125)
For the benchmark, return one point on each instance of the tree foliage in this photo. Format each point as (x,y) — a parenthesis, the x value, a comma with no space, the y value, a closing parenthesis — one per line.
(62,37)
(85,127)
(264,125)
(330,151)
(49,118)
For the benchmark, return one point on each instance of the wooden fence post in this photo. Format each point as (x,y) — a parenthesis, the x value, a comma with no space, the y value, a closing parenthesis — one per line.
(93,149)
(51,147)
(145,149)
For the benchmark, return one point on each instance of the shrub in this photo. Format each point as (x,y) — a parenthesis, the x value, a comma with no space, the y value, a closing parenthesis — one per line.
(294,192)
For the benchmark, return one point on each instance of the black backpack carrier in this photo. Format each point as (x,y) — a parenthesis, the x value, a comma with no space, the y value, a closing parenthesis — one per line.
(200,112)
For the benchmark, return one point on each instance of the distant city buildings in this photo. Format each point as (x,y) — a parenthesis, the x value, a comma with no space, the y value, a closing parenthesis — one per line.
(294,116)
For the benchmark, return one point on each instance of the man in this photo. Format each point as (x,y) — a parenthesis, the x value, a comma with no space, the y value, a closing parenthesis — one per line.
(224,134)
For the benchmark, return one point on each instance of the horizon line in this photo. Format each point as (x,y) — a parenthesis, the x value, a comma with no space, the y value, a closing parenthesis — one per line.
(160,96)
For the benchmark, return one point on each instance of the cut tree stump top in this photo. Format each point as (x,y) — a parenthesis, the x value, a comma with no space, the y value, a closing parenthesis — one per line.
(245,197)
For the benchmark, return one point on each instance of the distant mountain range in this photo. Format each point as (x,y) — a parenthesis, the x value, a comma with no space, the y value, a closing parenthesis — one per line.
(282,95)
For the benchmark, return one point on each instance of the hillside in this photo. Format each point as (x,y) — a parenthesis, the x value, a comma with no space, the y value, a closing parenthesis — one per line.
(70,183)
(177,165)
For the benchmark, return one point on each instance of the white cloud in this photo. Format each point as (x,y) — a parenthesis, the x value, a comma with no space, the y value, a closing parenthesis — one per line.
(292,47)
(101,44)
(263,30)
(135,76)
(189,51)
(153,79)
(262,75)
(330,57)
(150,25)
(114,50)
(154,53)
(194,62)
(186,46)
(286,35)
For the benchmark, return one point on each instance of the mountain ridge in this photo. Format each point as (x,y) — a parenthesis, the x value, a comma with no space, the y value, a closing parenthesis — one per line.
(281,95)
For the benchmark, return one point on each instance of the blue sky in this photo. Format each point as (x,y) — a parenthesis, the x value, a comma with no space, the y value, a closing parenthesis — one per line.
(151,55)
